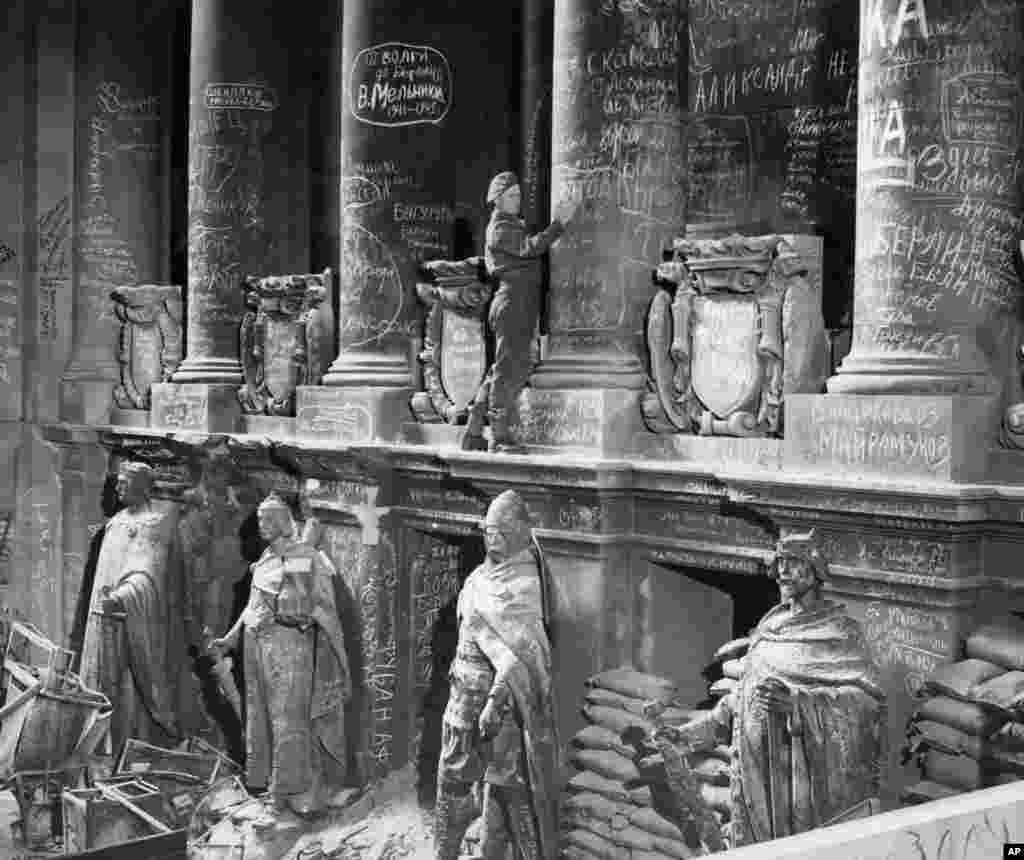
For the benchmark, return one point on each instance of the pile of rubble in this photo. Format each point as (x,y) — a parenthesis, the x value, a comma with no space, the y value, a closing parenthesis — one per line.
(968,733)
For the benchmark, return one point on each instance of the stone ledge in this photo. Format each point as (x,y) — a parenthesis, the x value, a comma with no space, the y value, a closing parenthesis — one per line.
(970,826)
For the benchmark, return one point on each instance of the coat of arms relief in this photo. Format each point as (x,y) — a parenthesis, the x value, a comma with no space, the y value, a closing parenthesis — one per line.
(735,326)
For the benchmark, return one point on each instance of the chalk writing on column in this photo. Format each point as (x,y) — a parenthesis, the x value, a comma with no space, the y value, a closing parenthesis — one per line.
(241,97)
(394,84)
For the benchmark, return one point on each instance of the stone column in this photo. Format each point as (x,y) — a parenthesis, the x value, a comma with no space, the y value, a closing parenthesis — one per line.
(940,198)
(248,194)
(617,147)
(396,212)
(535,110)
(124,103)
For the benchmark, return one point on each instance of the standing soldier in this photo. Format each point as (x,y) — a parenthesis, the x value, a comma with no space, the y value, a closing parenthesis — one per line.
(513,258)
(499,723)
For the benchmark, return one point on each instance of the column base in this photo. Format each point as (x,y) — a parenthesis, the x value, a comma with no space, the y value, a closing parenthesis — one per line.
(86,401)
(908,375)
(597,370)
(348,415)
(932,437)
(594,421)
(213,408)
(209,371)
(356,370)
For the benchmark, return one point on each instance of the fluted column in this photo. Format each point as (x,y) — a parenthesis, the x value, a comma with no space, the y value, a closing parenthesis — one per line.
(617,147)
(940,196)
(396,211)
(248,190)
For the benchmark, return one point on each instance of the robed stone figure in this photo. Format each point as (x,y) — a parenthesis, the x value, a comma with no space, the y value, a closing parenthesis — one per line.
(807,720)
(134,650)
(297,678)
(498,730)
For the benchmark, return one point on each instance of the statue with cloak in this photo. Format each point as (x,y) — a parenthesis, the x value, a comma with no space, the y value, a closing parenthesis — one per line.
(134,649)
(297,680)
(807,720)
(498,731)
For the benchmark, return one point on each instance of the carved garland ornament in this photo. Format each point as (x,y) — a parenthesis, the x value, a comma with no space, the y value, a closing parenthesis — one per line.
(153,309)
(280,308)
(457,299)
(715,337)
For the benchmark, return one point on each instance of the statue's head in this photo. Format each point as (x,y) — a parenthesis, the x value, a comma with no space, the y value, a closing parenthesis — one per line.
(504,192)
(134,483)
(799,565)
(506,526)
(275,518)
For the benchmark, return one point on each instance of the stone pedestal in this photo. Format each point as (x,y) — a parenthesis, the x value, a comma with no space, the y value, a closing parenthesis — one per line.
(240,148)
(349,415)
(900,437)
(396,200)
(939,198)
(210,408)
(622,155)
(597,421)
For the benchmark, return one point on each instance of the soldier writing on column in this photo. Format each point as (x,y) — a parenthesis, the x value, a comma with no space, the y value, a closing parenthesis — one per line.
(513,258)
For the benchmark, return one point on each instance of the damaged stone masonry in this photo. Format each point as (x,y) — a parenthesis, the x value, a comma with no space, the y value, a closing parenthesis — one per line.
(554,429)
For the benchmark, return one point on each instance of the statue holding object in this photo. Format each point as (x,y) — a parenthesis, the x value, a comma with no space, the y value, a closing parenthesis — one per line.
(512,261)
(498,730)
(296,670)
(806,721)
(135,644)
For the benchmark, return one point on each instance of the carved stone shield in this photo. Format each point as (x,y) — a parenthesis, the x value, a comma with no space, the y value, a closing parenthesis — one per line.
(463,358)
(145,361)
(726,371)
(280,373)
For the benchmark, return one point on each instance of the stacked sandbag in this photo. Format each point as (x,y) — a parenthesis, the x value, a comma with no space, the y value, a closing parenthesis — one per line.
(607,812)
(969,731)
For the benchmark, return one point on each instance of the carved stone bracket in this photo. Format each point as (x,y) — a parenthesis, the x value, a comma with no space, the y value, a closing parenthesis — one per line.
(149,339)
(455,353)
(281,340)
(720,333)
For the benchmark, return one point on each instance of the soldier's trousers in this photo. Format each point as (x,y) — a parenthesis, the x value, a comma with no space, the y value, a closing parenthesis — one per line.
(508,817)
(513,319)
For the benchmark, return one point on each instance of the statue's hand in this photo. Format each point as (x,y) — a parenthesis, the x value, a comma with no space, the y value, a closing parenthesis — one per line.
(773,695)
(110,604)
(490,720)
(218,647)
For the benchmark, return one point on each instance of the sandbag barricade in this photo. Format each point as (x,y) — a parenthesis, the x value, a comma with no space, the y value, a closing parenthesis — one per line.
(608,811)
(968,732)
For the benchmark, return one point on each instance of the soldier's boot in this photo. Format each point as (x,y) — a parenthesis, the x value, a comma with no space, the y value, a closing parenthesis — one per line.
(453,813)
(501,434)
(473,439)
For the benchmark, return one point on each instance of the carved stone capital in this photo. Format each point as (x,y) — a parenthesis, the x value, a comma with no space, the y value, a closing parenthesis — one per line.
(280,340)
(149,339)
